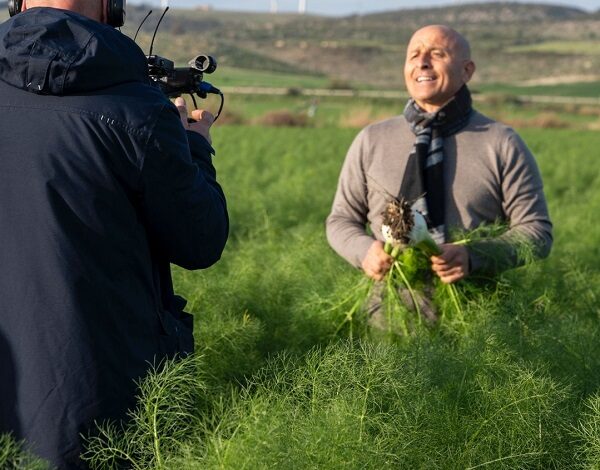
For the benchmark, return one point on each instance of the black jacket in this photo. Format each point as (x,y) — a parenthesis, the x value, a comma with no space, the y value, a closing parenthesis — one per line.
(100,189)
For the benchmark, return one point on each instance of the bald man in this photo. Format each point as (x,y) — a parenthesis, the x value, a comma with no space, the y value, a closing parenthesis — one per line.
(103,183)
(458,167)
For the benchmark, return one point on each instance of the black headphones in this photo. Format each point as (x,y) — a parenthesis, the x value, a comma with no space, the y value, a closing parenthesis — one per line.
(14,7)
(115,11)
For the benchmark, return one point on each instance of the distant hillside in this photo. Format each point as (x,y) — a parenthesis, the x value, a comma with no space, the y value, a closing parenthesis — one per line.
(511,42)
(483,13)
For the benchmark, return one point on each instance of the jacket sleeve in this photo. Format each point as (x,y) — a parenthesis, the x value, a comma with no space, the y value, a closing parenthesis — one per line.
(183,204)
(530,230)
(347,222)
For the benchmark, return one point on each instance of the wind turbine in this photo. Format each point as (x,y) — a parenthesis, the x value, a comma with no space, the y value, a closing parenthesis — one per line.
(273,6)
(302,6)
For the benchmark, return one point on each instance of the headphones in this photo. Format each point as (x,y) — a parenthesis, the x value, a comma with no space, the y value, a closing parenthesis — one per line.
(115,11)
(14,7)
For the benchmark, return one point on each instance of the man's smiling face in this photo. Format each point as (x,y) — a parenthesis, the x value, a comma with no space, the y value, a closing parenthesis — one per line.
(437,65)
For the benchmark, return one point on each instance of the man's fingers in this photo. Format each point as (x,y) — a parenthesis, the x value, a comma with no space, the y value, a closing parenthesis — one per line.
(182,108)
(450,278)
(377,271)
(377,274)
(180,103)
(446,258)
(439,267)
(376,262)
(203,115)
(444,268)
(382,266)
(451,275)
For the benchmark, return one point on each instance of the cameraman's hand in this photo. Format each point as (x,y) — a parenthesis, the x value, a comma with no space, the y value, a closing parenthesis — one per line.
(201,120)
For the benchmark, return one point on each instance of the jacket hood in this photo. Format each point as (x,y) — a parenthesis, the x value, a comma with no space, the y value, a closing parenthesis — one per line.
(59,52)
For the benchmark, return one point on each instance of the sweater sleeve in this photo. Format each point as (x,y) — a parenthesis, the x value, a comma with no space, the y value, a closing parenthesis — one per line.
(524,205)
(183,204)
(346,224)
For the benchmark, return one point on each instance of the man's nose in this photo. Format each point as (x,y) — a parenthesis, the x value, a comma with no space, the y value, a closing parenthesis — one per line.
(424,62)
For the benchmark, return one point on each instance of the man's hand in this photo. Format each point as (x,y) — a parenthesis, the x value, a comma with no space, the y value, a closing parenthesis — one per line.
(200,122)
(377,262)
(453,264)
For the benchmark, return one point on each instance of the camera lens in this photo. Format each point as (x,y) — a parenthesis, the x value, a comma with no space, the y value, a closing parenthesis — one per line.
(204,63)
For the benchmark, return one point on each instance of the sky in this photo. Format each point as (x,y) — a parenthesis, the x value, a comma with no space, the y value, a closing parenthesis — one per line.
(343,7)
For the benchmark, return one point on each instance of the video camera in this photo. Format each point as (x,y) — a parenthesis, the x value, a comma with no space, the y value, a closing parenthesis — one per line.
(175,81)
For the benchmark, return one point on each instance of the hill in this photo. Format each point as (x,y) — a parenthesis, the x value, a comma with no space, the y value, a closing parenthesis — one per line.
(512,42)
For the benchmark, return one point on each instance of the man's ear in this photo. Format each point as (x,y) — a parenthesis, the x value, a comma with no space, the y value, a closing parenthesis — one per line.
(468,70)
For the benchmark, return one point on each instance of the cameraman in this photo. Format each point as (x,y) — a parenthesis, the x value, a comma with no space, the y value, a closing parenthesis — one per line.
(103,183)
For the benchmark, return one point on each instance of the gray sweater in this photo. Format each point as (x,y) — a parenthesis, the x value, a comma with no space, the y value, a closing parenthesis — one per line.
(490,176)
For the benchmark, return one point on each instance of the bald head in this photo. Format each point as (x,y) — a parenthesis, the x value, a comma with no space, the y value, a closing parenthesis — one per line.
(454,39)
(438,63)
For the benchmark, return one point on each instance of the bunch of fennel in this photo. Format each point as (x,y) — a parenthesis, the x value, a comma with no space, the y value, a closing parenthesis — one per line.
(410,244)
(405,228)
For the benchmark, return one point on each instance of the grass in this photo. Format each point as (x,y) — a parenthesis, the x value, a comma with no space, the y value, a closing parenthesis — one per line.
(513,385)
(357,112)
(275,384)
(235,77)
(239,77)
(579,89)
(560,47)
(13,455)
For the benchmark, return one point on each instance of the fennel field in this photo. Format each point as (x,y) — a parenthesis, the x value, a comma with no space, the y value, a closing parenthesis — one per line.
(516,384)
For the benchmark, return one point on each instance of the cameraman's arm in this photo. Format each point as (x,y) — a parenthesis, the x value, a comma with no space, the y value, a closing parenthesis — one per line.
(184,205)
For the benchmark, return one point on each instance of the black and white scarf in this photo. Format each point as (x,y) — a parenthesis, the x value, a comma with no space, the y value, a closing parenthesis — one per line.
(423,180)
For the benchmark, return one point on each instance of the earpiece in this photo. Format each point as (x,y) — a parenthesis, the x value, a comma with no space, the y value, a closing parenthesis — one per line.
(14,7)
(115,11)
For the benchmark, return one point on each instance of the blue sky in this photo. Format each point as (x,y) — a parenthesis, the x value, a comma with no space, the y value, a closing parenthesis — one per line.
(343,7)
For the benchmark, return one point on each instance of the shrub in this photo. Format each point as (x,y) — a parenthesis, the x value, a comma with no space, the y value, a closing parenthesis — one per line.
(501,99)
(593,111)
(231,117)
(294,91)
(283,118)
(339,84)
(361,117)
(540,121)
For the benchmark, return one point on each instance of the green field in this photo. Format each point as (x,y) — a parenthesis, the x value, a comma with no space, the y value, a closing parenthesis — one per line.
(281,378)
(356,112)
(230,76)
(580,89)
(235,77)
(273,386)
(560,47)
